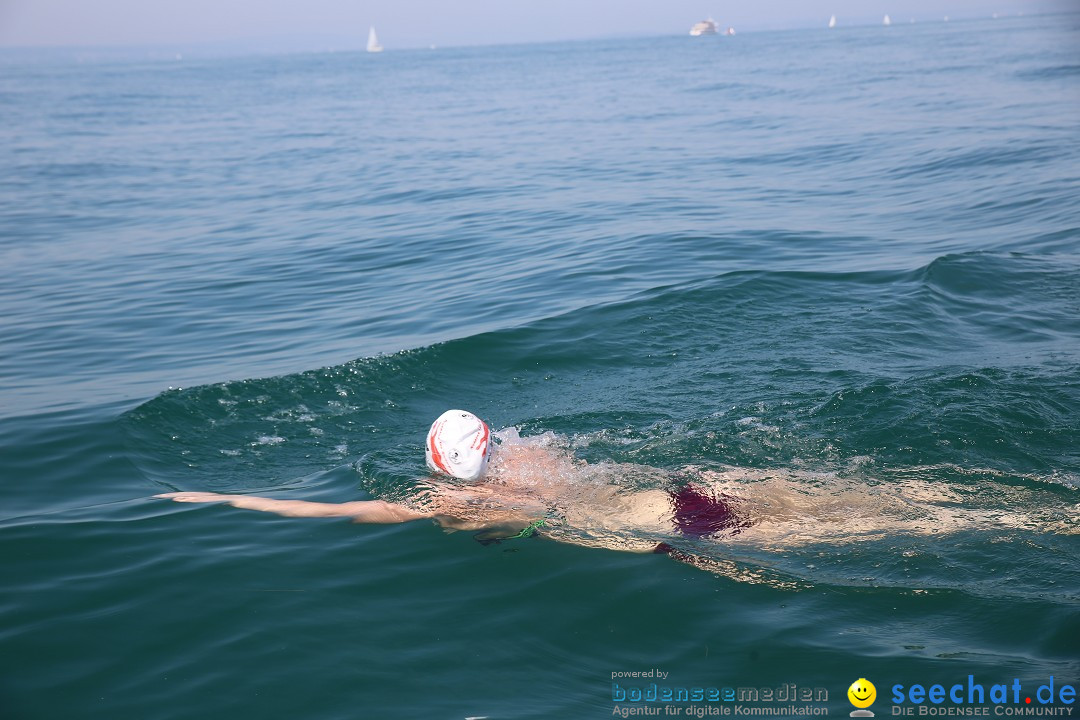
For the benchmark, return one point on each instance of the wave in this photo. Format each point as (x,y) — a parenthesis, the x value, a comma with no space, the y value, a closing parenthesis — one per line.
(1032,153)
(958,382)
(1051,72)
(838,347)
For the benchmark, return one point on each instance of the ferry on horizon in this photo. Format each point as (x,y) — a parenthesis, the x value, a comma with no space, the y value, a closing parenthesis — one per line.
(705,27)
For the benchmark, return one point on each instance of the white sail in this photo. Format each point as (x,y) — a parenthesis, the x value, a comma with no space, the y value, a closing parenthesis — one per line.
(832,21)
(886,21)
(373,42)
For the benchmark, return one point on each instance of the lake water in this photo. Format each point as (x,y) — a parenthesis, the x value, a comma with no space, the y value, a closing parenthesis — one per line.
(844,265)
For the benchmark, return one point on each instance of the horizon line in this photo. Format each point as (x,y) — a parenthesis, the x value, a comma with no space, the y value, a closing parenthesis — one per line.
(300,44)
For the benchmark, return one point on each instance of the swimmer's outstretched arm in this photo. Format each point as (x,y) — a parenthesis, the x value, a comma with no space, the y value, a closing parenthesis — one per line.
(361,511)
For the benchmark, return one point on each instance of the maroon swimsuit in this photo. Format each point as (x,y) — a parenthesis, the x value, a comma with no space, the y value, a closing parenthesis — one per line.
(699,513)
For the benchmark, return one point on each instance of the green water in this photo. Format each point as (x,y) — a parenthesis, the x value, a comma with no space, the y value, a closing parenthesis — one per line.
(840,270)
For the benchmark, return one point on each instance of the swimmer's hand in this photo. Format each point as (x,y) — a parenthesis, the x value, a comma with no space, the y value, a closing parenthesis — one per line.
(195,497)
(361,511)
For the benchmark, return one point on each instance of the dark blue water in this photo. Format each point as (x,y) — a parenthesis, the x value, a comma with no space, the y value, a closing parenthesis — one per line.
(840,270)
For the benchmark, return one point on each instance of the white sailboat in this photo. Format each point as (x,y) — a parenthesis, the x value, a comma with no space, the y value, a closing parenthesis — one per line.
(373,42)
(886,21)
(832,21)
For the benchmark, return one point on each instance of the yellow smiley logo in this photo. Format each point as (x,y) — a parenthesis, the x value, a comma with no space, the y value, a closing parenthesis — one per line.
(862,693)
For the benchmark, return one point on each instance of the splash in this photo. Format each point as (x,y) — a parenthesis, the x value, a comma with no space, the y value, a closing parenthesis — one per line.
(907,527)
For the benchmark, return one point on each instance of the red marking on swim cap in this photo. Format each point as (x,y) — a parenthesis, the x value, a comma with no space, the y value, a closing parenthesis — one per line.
(483,438)
(436,456)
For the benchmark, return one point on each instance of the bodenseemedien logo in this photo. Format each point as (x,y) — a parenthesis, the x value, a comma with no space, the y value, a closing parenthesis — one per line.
(862,694)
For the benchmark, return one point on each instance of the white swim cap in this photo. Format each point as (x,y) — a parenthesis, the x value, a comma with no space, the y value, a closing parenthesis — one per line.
(458,444)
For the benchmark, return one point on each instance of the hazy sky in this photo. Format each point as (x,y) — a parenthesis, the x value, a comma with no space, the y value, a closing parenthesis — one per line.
(412,23)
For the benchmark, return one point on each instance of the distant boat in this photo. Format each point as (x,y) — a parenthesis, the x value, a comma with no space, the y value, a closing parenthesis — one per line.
(373,42)
(886,21)
(729,31)
(705,27)
(832,21)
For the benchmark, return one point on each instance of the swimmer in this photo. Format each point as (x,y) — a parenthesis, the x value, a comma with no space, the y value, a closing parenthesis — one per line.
(502,486)
(508,490)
